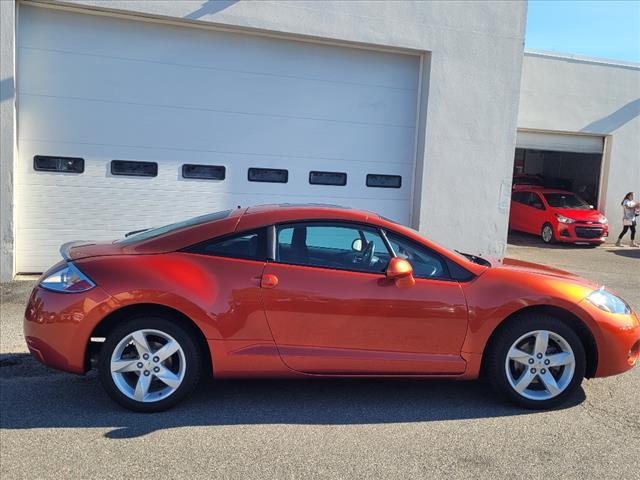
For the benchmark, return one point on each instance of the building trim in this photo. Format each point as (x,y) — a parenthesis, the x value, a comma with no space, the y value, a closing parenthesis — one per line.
(582,59)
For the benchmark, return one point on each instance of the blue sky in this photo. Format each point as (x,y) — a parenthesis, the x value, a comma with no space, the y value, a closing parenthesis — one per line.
(608,29)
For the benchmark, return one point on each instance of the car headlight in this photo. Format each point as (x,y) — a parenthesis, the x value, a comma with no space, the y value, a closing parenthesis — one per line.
(563,219)
(604,220)
(607,301)
(67,279)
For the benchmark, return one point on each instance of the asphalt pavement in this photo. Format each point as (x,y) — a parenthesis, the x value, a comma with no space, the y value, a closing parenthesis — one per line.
(57,425)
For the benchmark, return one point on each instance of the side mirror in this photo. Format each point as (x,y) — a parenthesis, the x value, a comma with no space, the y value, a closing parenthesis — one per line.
(356,245)
(400,272)
(538,205)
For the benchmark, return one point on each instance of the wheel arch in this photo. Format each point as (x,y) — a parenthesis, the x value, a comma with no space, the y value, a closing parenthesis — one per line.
(113,319)
(567,317)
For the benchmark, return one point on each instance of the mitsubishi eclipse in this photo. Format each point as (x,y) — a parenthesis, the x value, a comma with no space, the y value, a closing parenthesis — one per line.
(318,291)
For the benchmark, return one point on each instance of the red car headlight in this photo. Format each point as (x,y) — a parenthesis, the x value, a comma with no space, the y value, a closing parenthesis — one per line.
(67,279)
(563,219)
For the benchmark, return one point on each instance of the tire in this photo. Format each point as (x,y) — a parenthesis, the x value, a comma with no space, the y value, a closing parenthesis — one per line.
(505,373)
(549,237)
(126,375)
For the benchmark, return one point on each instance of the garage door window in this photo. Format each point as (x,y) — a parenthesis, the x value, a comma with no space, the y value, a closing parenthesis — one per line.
(384,181)
(203,172)
(328,178)
(134,169)
(43,163)
(271,175)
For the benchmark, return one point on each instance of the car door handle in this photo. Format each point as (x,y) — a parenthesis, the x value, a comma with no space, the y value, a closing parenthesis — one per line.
(269,281)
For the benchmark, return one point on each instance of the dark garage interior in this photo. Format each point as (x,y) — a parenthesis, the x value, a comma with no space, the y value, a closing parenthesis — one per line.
(572,171)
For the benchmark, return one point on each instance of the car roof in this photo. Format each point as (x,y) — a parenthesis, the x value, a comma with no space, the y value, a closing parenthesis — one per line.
(286,212)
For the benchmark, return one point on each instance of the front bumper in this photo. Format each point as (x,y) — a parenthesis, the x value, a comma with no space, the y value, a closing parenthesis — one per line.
(617,340)
(58,326)
(596,233)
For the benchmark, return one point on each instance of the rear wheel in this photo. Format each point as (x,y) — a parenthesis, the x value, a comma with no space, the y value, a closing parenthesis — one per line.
(547,233)
(149,364)
(537,361)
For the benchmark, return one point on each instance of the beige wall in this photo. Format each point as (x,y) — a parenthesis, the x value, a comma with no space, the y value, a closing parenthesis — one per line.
(570,94)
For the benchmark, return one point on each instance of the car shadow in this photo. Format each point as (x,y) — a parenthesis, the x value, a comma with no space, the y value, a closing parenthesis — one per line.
(34,396)
(520,239)
(626,252)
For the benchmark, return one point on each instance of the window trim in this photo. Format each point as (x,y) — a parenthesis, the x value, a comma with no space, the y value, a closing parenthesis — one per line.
(37,157)
(141,162)
(191,249)
(286,179)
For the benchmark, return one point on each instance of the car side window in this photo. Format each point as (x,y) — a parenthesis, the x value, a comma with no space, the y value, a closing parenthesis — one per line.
(520,197)
(332,245)
(251,245)
(425,263)
(535,201)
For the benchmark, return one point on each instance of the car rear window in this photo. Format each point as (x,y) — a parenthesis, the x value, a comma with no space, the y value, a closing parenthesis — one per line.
(156,232)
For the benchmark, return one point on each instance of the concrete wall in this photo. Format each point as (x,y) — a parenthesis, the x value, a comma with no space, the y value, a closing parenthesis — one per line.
(471,82)
(571,94)
(7,136)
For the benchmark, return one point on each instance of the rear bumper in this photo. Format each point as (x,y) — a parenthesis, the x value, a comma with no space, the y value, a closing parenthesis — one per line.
(57,326)
(581,233)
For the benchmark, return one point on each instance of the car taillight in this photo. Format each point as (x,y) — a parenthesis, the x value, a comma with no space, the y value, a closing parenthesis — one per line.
(67,279)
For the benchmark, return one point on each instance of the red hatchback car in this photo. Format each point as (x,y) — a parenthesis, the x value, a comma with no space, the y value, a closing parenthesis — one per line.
(318,291)
(556,215)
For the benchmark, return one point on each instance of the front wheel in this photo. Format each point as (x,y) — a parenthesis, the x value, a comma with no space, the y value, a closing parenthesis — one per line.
(537,361)
(547,233)
(149,364)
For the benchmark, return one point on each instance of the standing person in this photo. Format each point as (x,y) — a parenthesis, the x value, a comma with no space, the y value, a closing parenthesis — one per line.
(629,207)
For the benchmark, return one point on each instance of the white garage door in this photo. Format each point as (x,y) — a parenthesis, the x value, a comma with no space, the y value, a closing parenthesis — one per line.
(559,142)
(101,89)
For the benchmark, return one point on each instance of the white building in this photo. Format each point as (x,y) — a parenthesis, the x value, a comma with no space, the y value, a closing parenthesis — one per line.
(123,115)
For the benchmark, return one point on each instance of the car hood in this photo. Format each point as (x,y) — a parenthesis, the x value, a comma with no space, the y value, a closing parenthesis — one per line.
(537,269)
(581,215)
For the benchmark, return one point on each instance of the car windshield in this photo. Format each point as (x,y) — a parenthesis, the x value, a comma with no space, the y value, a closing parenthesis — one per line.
(463,256)
(140,235)
(566,200)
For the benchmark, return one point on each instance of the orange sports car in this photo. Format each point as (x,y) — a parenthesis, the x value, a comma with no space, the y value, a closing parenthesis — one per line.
(318,291)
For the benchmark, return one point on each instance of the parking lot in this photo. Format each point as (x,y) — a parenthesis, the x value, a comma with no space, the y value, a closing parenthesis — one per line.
(56,425)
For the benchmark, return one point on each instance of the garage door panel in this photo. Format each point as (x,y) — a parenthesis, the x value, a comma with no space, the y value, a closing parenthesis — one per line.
(105,36)
(107,123)
(560,142)
(105,88)
(119,80)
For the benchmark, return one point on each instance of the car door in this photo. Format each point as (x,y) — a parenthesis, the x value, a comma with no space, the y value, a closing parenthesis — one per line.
(332,311)
(517,214)
(536,214)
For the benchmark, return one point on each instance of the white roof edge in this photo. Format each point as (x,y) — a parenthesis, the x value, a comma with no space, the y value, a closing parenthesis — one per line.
(581,58)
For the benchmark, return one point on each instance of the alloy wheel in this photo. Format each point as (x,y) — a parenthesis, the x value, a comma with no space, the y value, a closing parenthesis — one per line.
(547,233)
(540,365)
(148,365)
